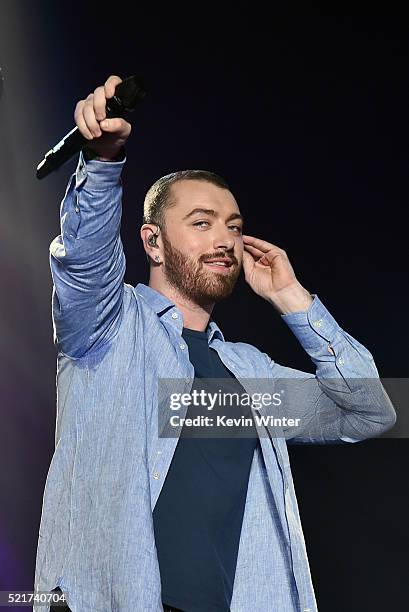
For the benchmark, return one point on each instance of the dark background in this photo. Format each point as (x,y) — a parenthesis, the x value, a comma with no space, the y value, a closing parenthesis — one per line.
(305,116)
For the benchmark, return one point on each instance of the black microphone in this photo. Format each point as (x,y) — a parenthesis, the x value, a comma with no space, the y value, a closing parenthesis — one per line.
(127,95)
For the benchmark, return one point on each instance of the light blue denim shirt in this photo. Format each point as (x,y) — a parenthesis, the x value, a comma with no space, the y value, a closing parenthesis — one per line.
(115,341)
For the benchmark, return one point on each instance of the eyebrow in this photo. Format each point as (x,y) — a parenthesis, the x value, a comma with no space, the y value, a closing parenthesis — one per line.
(213,213)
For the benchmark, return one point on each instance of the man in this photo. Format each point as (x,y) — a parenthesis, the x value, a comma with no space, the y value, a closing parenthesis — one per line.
(137,521)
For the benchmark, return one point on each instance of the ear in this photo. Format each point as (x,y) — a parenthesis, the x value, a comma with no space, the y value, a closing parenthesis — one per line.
(148,231)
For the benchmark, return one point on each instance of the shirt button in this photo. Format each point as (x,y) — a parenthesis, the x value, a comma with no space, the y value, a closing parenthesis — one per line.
(175,315)
(188,380)
(182,346)
(77,209)
(156,475)
(341,361)
(317,323)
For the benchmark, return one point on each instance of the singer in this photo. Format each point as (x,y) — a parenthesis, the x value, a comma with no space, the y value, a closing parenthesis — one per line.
(135,521)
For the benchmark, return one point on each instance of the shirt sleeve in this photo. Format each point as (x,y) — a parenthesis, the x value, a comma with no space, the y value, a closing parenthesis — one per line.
(87,259)
(345,401)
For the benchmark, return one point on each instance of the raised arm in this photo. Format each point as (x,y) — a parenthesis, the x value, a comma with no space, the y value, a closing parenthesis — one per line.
(87,259)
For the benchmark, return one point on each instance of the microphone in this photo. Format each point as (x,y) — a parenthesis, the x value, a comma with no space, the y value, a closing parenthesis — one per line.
(127,95)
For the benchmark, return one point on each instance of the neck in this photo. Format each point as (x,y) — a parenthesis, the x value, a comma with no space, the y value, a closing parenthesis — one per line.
(195,316)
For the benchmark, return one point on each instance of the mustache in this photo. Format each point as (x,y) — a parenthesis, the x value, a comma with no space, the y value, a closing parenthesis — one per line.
(222,255)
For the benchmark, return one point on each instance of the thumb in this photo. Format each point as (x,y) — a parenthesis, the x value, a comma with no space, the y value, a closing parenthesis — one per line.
(248,263)
(116,124)
(106,125)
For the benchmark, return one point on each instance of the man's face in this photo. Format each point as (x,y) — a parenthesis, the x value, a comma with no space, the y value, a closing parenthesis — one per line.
(203,245)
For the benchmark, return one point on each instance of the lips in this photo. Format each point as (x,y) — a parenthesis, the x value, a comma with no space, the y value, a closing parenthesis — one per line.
(219,266)
(221,263)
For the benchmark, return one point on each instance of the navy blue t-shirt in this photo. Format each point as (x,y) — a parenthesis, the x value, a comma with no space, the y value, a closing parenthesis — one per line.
(199,512)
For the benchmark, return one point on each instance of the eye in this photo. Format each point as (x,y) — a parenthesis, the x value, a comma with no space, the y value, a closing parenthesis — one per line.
(200,223)
(237,228)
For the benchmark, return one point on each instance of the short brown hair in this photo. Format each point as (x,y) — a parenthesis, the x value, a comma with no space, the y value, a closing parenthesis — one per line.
(158,197)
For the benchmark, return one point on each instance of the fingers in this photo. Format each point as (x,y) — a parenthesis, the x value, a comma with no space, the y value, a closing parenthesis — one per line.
(89,117)
(247,260)
(262,245)
(85,119)
(110,85)
(253,250)
(264,257)
(260,254)
(80,120)
(102,93)
(99,102)
(91,111)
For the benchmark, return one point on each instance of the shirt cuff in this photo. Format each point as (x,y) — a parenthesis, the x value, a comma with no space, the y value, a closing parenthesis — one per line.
(98,175)
(313,326)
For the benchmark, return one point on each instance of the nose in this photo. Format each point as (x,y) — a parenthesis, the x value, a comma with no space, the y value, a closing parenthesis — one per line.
(224,240)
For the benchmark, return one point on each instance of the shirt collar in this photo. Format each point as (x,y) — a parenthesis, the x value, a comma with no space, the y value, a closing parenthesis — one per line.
(214,331)
(161,304)
(157,301)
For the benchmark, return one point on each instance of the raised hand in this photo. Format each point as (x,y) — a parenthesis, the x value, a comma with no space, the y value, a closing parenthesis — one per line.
(270,274)
(106,136)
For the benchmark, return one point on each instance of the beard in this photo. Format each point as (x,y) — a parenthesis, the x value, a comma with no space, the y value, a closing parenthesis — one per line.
(192,280)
